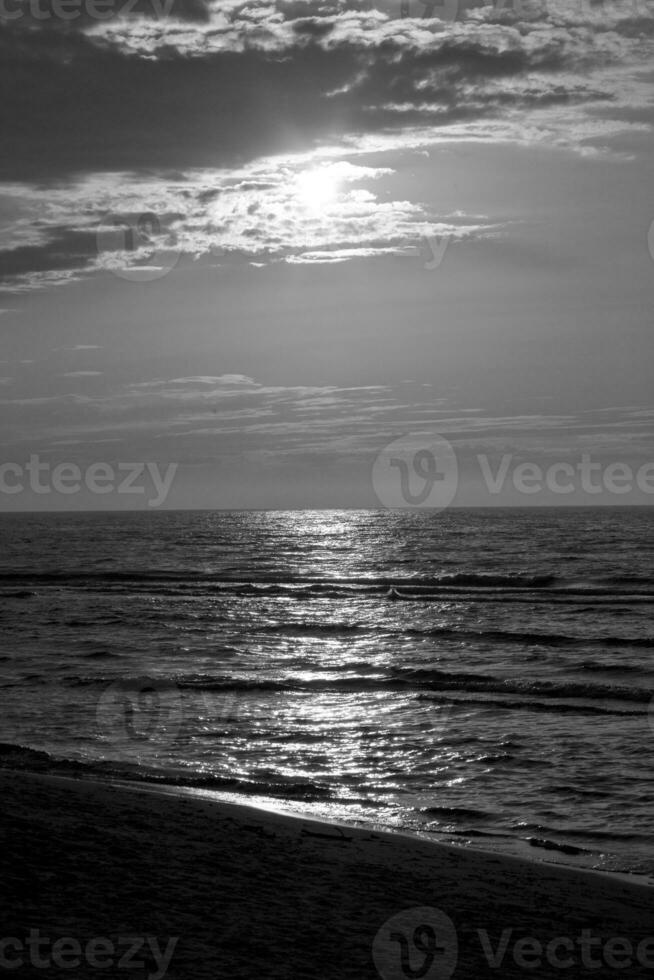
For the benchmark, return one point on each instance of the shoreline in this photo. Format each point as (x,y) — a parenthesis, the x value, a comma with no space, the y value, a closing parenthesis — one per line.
(545,851)
(284,811)
(255,893)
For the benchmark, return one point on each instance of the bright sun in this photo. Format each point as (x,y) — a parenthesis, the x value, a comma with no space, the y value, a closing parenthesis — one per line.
(317,189)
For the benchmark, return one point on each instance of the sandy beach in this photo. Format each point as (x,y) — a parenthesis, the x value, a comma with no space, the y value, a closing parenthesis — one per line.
(163,883)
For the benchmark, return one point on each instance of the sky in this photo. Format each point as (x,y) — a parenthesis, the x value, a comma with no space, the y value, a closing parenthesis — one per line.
(287,254)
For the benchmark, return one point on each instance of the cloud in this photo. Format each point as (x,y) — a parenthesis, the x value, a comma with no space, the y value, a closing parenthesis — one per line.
(243,98)
(80,347)
(213,381)
(292,208)
(346,70)
(192,419)
(223,379)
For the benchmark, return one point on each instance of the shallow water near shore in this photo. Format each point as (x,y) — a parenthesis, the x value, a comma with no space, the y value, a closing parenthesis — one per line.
(482,676)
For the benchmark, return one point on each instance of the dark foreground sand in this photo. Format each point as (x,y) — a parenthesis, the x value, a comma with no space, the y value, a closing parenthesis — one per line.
(252,894)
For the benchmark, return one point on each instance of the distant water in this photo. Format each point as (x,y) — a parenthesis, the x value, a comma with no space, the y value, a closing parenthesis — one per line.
(481,675)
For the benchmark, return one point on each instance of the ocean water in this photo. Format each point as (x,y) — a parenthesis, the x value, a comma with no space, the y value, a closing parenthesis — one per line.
(481,676)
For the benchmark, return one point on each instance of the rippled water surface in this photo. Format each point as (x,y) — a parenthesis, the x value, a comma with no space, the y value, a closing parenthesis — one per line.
(485,676)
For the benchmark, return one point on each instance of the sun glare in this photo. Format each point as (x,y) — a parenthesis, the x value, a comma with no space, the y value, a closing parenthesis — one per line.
(317,189)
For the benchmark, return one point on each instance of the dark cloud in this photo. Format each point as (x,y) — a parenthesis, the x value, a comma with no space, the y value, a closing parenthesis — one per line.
(72,106)
(313,27)
(67,16)
(65,249)
(76,103)
(216,87)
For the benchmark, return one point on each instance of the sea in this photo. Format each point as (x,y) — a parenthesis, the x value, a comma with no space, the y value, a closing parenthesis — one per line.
(481,677)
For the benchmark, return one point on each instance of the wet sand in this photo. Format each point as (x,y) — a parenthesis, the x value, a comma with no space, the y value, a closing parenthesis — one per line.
(249,893)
